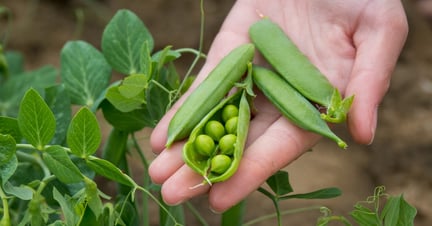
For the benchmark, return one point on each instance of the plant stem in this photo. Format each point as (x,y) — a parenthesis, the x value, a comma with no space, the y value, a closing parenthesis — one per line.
(197,53)
(286,212)
(34,159)
(158,203)
(25,146)
(140,152)
(200,48)
(5,221)
(146,183)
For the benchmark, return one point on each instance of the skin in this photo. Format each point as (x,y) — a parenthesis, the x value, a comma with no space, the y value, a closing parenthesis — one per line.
(355,43)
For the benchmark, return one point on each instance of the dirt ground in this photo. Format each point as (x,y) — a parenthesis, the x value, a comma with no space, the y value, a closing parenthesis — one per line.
(400,157)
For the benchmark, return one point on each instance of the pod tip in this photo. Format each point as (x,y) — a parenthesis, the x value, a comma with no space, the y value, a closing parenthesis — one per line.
(342,144)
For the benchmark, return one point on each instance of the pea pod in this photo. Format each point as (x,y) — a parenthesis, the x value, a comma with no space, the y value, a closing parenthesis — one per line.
(292,104)
(295,67)
(202,164)
(210,92)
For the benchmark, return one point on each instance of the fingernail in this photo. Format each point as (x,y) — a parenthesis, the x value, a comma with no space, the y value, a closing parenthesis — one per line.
(214,211)
(373,125)
(176,203)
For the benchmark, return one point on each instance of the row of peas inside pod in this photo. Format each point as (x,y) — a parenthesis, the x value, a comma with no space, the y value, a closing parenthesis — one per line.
(216,144)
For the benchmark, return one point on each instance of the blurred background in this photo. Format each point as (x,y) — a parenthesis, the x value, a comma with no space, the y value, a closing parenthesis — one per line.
(400,157)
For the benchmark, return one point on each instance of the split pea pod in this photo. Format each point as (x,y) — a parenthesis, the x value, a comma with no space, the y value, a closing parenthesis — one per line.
(210,92)
(295,67)
(222,162)
(292,104)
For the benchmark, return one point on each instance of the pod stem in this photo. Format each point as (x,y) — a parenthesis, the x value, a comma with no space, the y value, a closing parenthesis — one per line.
(338,108)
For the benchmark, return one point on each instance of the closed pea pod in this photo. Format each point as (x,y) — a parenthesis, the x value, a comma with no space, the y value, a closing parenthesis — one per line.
(292,104)
(202,164)
(295,67)
(210,92)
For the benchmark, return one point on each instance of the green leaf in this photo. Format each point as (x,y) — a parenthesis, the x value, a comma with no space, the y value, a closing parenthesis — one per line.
(325,193)
(126,214)
(84,135)
(10,126)
(159,94)
(92,197)
(23,192)
(36,120)
(146,58)
(165,56)
(13,90)
(157,102)
(234,215)
(8,169)
(133,85)
(127,121)
(84,72)
(408,213)
(7,148)
(397,212)
(123,103)
(364,216)
(60,164)
(279,183)
(122,42)
(59,102)
(67,207)
(38,210)
(110,171)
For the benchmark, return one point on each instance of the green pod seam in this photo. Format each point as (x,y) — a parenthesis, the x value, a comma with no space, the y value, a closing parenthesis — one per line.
(210,92)
(292,104)
(296,68)
(201,164)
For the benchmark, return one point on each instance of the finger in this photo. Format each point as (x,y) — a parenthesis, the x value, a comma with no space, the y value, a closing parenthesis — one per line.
(277,147)
(378,47)
(166,164)
(183,185)
(264,115)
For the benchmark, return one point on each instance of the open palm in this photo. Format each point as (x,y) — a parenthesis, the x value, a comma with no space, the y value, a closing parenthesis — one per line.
(355,43)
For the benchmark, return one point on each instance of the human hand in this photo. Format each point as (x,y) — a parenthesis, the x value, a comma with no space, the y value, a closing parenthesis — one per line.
(355,43)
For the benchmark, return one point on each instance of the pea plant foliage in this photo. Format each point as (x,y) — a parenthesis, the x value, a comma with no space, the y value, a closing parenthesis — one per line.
(51,145)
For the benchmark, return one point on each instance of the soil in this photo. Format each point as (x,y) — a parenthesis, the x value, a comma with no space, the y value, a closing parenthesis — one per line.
(400,157)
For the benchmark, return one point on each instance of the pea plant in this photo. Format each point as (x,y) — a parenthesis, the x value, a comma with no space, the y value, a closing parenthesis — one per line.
(51,145)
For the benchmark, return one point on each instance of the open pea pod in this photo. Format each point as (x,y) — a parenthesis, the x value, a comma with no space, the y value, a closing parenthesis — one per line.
(209,157)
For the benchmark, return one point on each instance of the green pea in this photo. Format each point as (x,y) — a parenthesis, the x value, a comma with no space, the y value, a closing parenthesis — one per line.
(214,129)
(296,68)
(220,163)
(229,111)
(210,92)
(298,109)
(204,145)
(227,144)
(231,125)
